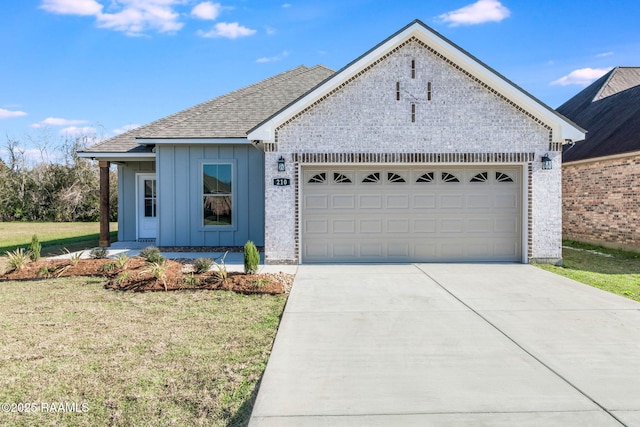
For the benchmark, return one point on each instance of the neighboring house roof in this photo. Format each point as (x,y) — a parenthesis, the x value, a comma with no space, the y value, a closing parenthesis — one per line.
(562,128)
(610,111)
(227,116)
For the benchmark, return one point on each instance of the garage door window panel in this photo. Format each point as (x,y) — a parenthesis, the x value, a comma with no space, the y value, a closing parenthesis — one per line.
(372,178)
(449,177)
(481,177)
(340,178)
(319,178)
(395,178)
(503,177)
(426,178)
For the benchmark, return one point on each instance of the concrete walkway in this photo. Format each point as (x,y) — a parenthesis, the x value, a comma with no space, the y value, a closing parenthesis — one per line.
(451,345)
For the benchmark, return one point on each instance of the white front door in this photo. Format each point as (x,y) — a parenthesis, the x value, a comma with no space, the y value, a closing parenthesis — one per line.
(146,202)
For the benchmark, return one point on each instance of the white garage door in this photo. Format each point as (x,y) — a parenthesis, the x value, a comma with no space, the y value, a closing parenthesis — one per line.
(400,214)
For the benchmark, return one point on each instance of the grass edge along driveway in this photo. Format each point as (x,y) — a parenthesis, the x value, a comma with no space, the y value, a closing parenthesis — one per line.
(612,270)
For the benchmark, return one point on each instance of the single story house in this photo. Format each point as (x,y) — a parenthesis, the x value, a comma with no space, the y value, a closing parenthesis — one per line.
(415,151)
(601,175)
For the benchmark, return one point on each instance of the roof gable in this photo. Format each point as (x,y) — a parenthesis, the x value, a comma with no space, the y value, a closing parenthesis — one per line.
(227,116)
(562,129)
(619,80)
(610,110)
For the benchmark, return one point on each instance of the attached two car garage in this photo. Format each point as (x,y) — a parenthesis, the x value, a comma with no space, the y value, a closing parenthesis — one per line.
(411,214)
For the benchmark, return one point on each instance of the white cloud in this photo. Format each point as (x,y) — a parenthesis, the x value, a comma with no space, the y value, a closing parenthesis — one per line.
(477,13)
(270,31)
(286,5)
(72,7)
(8,114)
(582,77)
(231,30)
(604,54)
(54,121)
(130,16)
(139,16)
(76,131)
(206,10)
(266,59)
(126,128)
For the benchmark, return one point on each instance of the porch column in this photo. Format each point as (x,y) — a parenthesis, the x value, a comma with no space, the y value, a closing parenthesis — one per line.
(104,204)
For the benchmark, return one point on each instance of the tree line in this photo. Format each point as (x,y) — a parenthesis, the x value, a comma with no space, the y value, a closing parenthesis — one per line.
(58,187)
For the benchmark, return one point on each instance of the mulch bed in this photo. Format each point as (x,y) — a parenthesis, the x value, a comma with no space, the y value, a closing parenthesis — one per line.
(138,276)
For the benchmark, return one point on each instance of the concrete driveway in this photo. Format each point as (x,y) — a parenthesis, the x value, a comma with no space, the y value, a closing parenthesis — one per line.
(451,345)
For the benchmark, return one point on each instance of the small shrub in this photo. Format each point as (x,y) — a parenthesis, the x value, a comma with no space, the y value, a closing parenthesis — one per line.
(159,271)
(44,272)
(251,258)
(108,267)
(18,259)
(47,272)
(152,254)
(122,277)
(222,268)
(121,261)
(98,253)
(191,280)
(260,283)
(75,257)
(34,248)
(202,265)
(60,271)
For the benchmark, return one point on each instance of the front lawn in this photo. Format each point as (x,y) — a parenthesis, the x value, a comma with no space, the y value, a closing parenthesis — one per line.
(54,236)
(153,359)
(608,269)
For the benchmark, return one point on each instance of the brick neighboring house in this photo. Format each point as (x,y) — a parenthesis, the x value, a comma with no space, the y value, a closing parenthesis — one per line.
(601,175)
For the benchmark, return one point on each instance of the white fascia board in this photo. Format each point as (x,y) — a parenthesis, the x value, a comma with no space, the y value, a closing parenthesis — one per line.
(186,141)
(114,155)
(105,156)
(562,128)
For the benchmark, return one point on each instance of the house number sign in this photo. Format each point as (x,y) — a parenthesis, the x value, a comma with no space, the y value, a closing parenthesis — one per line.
(281,182)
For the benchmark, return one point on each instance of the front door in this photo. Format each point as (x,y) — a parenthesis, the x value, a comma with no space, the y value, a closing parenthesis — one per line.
(147,206)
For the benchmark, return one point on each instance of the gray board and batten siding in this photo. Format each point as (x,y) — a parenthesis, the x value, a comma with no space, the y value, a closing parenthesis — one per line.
(180,194)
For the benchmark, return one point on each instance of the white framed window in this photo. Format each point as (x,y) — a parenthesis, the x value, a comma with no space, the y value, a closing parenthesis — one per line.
(217,194)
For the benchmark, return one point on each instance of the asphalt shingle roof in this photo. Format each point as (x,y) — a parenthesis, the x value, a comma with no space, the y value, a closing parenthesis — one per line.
(227,116)
(609,109)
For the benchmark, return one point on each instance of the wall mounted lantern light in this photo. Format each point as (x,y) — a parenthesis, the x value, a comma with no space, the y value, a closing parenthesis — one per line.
(281,167)
(546,162)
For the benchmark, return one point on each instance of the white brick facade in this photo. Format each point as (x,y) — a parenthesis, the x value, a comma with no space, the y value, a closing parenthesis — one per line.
(461,117)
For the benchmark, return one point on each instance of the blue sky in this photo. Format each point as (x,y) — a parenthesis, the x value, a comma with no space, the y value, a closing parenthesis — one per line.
(99,67)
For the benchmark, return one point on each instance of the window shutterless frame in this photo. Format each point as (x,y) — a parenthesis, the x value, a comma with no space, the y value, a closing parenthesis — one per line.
(217,195)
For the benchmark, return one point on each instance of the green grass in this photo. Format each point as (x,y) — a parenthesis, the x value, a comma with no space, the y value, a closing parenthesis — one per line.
(611,270)
(152,359)
(54,236)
